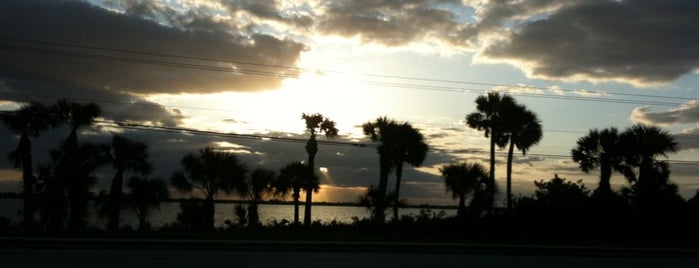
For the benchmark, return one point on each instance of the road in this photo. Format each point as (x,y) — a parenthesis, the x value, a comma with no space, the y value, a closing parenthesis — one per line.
(315,254)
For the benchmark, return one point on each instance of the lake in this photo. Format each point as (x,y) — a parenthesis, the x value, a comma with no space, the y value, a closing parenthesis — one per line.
(10,207)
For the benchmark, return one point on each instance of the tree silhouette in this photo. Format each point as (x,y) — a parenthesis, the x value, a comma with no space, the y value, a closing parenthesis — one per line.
(258,186)
(315,123)
(523,129)
(292,178)
(76,115)
(28,121)
(648,177)
(488,118)
(599,148)
(126,155)
(463,179)
(409,147)
(209,171)
(74,169)
(146,194)
(383,131)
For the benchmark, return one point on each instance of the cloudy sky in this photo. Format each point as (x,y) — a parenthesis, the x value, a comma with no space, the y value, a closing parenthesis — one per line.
(253,67)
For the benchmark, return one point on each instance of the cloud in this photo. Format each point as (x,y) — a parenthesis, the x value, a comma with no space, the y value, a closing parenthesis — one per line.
(687,139)
(636,42)
(71,22)
(687,113)
(116,106)
(394,23)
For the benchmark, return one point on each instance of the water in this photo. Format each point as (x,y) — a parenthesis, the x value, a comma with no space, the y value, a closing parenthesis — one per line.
(10,208)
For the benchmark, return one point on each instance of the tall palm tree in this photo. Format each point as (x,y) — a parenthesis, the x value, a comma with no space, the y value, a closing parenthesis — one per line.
(126,156)
(599,148)
(258,186)
(487,118)
(409,147)
(28,121)
(523,129)
(209,171)
(642,145)
(144,195)
(383,131)
(315,123)
(76,115)
(292,178)
(462,179)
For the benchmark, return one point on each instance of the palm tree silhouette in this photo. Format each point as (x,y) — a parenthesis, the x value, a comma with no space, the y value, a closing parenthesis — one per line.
(126,155)
(209,171)
(383,130)
(599,148)
(294,177)
(650,188)
(74,169)
(76,115)
(259,186)
(315,123)
(146,194)
(488,118)
(461,179)
(523,129)
(409,147)
(28,121)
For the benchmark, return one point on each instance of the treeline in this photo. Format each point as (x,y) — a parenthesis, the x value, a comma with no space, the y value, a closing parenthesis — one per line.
(56,194)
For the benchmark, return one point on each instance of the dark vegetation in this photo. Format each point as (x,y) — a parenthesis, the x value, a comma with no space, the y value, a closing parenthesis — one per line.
(646,211)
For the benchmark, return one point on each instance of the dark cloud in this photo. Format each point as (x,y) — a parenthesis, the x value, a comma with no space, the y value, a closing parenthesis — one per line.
(81,23)
(115,105)
(687,113)
(392,23)
(688,139)
(638,42)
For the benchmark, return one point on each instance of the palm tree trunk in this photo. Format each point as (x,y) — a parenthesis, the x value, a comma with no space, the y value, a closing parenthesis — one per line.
(384,168)
(399,174)
(296,196)
(25,151)
(461,212)
(604,188)
(209,212)
(311,149)
(509,176)
(115,200)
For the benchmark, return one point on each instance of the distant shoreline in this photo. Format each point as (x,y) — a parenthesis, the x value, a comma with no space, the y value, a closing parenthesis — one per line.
(272,202)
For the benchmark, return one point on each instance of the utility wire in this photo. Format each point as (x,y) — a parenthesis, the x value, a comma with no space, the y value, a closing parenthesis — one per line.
(287,75)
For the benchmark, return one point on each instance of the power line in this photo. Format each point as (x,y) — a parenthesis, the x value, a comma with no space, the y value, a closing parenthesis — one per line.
(285,75)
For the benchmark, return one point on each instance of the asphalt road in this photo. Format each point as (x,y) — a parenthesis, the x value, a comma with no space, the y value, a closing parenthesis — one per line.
(119,253)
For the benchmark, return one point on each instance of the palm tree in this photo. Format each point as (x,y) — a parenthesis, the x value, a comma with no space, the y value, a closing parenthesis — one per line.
(144,195)
(409,147)
(259,186)
(294,177)
(488,118)
(209,171)
(461,179)
(523,129)
(28,121)
(126,156)
(599,148)
(315,123)
(76,115)
(74,169)
(383,130)
(648,176)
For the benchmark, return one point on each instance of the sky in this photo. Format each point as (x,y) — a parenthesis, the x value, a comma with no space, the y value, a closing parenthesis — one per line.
(253,67)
